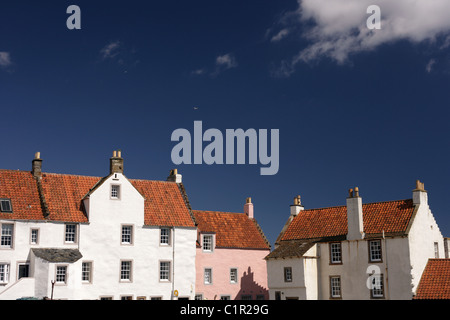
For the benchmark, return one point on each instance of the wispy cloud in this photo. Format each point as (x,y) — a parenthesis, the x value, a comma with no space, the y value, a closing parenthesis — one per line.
(222,63)
(430,65)
(111,50)
(5,59)
(280,35)
(337,29)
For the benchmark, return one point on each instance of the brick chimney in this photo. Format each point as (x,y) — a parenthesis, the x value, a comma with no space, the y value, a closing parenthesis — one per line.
(174,176)
(248,208)
(36,168)
(116,163)
(354,216)
(297,206)
(420,195)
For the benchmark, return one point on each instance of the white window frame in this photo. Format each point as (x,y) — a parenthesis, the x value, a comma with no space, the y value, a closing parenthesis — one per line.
(165,236)
(233,275)
(436,250)
(287,271)
(70,236)
(4,272)
(126,271)
(208,276)
(34,238)
(7,235)
(335,287)
(164,270)
(335,254)
(86,272)
(377,291)
(58,274)
(375,251)
(115,192)
(127,234)
(208,243)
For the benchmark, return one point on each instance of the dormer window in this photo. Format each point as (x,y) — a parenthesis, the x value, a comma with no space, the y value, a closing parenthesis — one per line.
(115,191)
(5,205)
(208,243)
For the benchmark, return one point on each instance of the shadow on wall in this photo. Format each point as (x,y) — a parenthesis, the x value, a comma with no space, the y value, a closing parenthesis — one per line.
(250,290)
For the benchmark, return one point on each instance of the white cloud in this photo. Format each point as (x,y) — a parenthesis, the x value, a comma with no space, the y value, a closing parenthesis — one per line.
(111,50)
(430,64)
(226,61)
(5,59)
(337,28)
(280,35)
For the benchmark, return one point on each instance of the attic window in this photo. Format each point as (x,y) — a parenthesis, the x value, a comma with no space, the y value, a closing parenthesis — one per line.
(5,205)
(115,191)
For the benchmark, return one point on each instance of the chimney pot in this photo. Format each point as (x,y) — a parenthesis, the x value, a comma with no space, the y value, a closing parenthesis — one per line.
(249,200)
(297,206)
(174,176)
(116,163)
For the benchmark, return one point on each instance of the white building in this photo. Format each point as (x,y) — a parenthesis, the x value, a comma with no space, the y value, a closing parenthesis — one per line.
(79,237)
(358,251)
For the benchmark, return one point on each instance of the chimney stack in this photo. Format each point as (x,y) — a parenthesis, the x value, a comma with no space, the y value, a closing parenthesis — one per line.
(297,206)
(248,208)
(174,176)
(355,222)
(420,195)
(36,168)
(116,163)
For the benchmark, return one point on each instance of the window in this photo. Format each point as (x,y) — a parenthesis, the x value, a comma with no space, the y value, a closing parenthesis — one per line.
(106,298)
(86,272)
(164,236)
(335,253)
(156,298)
(375,250)
(115,191)
(6,240)
(198,296)
(61,274)
(246,297)
(260,297)
(24,269)
(125,270)
(233,275)
(277,295)
(164,271)
(127,234)
(225,297)
(335,287)
(436,250)
(71,232)
(207,276)
(5,205)
(288,274)
(377,290)
(207,243)
(34,236)
(126,298)
(4,273)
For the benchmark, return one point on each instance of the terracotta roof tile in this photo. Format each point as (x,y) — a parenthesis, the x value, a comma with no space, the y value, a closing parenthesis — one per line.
(63,194)
(21,188)
(164,204)
(233,230)
(435,280)
(389,216)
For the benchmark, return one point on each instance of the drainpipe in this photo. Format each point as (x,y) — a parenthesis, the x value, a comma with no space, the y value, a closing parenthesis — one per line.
(386,257)
(173,264)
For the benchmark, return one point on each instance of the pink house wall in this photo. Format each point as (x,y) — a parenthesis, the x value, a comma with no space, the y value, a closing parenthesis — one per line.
(251,268)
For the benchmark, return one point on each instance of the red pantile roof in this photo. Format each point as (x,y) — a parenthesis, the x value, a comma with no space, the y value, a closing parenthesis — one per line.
(390,217)
(233,230)
(62,195)
(21,188)
(164,204)
(435,280)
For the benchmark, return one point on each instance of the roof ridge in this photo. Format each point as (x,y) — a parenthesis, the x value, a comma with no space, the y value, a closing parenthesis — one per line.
(215,211)
(330,207)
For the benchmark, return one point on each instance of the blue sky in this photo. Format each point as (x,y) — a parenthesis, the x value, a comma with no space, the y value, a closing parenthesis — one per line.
(354,108)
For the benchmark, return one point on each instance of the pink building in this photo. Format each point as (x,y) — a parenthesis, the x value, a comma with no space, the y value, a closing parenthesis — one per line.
(230,256)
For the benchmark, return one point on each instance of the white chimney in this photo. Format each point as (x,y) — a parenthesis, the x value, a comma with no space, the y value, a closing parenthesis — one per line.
(420,195)
(354,216)
(296,207)
(248,208)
